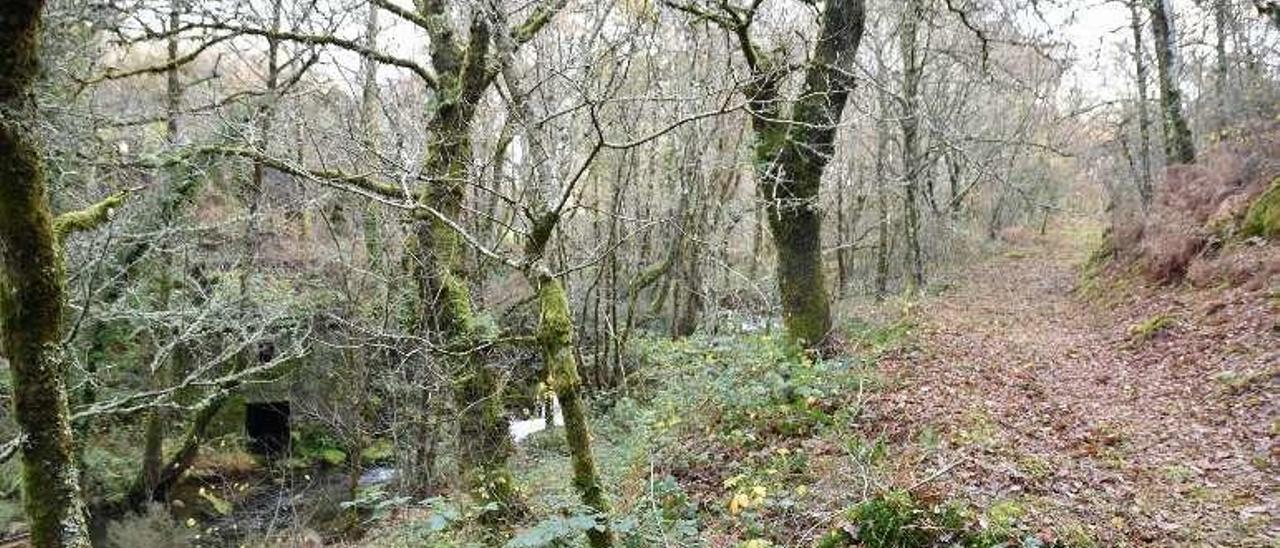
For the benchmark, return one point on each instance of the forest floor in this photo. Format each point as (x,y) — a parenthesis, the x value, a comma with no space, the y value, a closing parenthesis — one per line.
(1098,407)
(1021,402)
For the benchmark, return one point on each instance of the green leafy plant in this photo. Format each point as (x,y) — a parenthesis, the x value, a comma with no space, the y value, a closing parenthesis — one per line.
(555,532)
(376,503)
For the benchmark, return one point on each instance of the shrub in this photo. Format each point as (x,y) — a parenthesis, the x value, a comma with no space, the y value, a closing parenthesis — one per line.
(154,528)
(898,520)
(1232,191)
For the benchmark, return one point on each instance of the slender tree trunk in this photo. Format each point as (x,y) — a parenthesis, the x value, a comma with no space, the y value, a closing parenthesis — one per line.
(153,444)
(555,335)
(882,244)
(884,226)
(32,290)
(757,243)
(1222,16)
(266,112)
(555,319)
(360,357)
(1145,189)
(955,178)
(687,291)
(182,458)
(842,275)
(1178,144)
(910,122)
(616,374)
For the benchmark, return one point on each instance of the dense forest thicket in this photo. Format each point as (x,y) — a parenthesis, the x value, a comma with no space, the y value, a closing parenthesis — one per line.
(640,273)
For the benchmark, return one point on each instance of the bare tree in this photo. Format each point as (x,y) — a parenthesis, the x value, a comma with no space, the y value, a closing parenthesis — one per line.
(1178,145)
(1140,104)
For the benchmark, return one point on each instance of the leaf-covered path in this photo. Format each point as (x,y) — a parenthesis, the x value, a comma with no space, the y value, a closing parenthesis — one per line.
(1126,414)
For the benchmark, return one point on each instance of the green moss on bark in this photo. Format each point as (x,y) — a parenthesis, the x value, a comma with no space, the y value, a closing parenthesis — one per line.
(806,311)
(31,300)
(555,336)
(797,232)
(445,302)
(19,38)
(483,444)
(87,218)
(790,157)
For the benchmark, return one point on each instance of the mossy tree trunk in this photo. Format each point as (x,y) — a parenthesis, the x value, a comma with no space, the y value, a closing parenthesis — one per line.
(545,195)
(483,444)
(791,154)
(555,338)
(1178,145)
(31,298)
(806,309)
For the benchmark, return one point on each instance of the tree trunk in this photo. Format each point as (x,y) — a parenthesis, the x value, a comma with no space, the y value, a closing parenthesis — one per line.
(31,298)
(153,444)
(140,493)
(555,319)
(483,445)
(1178,145)
(912,71)
(790,159)
(686,298)
(445,300)
(806,310)
(555,336)
(1144,118)
(882,244)
(1222,16)
(445,297)
(757,242)
(884,226)
(842,229)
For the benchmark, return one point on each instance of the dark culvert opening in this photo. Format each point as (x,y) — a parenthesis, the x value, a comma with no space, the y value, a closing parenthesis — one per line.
(267,425)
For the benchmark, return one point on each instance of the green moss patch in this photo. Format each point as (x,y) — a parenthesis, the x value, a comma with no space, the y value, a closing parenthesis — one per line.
(1151,327)
(1263,217)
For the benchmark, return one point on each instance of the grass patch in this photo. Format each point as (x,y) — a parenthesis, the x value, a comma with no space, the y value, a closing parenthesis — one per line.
(898,520)
(1152,327)
(874,339)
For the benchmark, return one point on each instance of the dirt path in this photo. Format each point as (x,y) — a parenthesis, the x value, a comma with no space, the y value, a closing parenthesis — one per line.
(1025,392)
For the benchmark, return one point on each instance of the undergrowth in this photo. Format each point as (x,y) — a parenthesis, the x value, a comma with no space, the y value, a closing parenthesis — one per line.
(896,519)
(733,439)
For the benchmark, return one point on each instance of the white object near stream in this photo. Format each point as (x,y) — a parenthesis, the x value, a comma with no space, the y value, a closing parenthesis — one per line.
(522,429)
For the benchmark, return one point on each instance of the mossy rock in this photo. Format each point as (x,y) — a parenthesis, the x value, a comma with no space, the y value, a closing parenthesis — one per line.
(1263,217)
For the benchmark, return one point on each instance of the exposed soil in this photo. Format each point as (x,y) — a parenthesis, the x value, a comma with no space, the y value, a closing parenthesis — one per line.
(1133,415)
